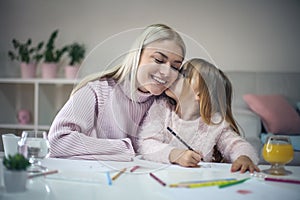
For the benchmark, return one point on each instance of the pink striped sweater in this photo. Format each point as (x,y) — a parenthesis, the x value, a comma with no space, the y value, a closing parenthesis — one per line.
(100,121)
(156,142)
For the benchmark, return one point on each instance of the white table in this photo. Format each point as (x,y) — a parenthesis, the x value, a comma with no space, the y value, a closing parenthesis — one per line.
(85,180)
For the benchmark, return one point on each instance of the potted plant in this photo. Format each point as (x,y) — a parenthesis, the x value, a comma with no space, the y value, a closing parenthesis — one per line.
(15,174)
(76,53)
(27,55)
(52,56)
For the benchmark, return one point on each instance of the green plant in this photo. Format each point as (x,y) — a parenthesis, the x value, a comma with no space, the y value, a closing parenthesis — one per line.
(51,53)
(76,53)
(24,52)
(16,162)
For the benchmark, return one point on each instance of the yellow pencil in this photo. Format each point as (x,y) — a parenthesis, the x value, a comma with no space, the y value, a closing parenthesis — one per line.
(204,184)
(118,174)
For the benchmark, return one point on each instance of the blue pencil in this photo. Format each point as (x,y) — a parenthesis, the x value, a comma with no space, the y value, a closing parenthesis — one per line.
(108,178)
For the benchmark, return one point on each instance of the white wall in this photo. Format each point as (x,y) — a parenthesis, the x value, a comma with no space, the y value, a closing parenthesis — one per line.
(247,35)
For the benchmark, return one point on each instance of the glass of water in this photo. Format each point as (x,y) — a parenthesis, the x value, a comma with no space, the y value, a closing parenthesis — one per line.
(35,146)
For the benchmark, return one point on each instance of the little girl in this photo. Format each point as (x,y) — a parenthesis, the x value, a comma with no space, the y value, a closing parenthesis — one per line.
(201,117)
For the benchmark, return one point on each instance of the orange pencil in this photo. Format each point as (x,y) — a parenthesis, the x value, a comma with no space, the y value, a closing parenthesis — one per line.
(118,174)
(43,174)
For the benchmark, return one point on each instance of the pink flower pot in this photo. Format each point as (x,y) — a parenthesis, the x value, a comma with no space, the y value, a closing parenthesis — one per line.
(28,70)
(49,70)
(71,71)
(24,116)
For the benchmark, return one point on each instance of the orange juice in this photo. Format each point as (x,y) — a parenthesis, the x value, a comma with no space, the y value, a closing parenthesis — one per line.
(278,153)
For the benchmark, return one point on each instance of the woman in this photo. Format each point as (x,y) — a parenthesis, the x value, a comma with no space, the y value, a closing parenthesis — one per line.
(101,118)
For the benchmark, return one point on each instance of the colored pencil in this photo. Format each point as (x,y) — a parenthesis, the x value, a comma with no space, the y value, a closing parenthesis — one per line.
(205,181)
(283,180)
(108,178)
(43,173)
(181,140)
(203,184)
(134,168)
(233,183)
(157,179)
(118,174)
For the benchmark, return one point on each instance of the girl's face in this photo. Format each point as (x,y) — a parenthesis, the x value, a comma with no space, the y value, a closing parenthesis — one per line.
(158,67)
(175,90)
(182,89)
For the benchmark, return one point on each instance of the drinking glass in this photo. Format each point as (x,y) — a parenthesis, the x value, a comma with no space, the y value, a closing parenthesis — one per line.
(278,151)
(35,146)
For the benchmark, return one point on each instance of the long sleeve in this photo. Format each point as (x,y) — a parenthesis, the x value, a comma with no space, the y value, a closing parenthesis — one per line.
(232,146)
(154,143)
(90,126)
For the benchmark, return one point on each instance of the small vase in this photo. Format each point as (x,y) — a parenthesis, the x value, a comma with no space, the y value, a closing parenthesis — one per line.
(24,116)
(28,70)
(15,181)
(49,70)
(71,71)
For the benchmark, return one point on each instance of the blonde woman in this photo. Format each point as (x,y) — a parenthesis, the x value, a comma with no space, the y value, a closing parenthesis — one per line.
(101,118)
(201,117)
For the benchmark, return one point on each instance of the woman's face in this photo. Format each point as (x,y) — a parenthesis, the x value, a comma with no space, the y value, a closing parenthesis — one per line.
(158,67)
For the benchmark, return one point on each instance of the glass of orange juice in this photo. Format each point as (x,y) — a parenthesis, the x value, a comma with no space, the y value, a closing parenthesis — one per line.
(278,151)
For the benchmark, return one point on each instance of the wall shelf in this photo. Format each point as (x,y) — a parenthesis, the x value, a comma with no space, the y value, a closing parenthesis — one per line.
(42,97)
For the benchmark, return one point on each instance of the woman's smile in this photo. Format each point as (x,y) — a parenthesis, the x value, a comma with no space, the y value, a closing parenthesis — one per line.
(158,79)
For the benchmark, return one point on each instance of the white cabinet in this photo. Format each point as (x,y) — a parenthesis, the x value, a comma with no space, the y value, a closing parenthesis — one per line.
(42,97)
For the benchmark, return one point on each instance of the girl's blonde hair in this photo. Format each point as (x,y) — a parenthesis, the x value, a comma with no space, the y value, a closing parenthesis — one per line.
(152,33)
(213,88)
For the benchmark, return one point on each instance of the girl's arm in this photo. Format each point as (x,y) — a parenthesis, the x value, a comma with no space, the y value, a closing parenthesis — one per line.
(73,135)
(237,150)
(153,141)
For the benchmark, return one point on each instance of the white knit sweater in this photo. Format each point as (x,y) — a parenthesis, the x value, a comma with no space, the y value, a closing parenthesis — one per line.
(156,142)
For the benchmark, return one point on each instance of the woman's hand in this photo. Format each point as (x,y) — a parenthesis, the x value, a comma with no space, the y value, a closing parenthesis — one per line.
(243,164)
(185,158)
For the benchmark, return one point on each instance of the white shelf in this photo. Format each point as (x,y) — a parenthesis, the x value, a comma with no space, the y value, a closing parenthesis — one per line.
(39,81)
(16,126)
(42,97)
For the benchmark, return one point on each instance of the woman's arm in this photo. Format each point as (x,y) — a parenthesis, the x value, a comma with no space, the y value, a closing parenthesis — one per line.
(73,133)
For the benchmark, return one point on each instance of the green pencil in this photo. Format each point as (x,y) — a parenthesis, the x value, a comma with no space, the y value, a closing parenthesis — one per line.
(233,183)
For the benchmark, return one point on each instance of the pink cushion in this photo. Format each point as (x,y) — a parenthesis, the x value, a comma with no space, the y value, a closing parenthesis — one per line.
(277,115)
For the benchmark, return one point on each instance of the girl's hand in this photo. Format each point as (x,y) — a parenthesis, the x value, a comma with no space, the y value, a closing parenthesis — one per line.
(185,158)
(244,163)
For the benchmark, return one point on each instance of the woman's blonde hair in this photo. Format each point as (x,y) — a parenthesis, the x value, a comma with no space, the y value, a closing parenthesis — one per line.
(152,33)
(213,88)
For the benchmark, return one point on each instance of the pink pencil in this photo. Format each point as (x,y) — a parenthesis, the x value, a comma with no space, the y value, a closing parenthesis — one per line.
(134,168)
(283,180)
(157,179)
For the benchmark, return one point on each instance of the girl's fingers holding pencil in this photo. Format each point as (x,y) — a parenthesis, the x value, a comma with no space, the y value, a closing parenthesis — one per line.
(185,158)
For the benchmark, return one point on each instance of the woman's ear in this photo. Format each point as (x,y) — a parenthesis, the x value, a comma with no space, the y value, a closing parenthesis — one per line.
(197,97)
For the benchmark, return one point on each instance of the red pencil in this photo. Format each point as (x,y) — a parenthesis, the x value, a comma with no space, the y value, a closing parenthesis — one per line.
(157,179)
(282,180)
